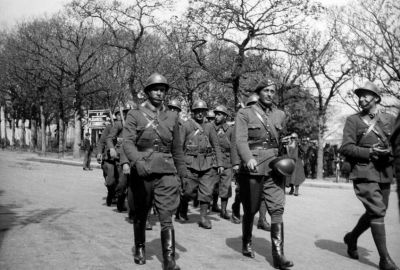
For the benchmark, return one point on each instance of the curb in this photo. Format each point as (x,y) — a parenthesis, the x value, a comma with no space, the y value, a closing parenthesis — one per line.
(61,161)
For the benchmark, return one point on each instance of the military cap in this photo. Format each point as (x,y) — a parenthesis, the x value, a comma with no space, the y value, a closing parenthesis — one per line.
(156,79)
(221,108)
(368,87)
(199,104)
(264,83)
(174,103)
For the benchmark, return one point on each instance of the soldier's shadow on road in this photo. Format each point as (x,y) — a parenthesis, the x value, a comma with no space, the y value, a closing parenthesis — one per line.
(261,247)
(153,250)
(341,249)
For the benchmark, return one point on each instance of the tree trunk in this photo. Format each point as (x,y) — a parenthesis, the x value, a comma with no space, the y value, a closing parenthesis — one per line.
(43,129)
(23,134)
(60,138)
(12,142)
(321,142)
(3,126)
(77,135)
(33,144)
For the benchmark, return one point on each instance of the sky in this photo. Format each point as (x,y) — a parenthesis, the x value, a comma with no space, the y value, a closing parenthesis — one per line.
(12,11)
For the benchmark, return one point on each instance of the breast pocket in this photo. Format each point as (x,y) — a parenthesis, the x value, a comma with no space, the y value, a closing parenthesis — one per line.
(254,132)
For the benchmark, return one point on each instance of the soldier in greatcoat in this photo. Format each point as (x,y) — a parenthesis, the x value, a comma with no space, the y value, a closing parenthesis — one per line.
(366,146)
(258,128)
(153,147)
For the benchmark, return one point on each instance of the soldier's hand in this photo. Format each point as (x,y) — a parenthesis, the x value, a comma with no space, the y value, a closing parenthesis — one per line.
(221,170)
(252,165)
(113,153)
(99,158)
(235,169)
(377,153)
(126,169)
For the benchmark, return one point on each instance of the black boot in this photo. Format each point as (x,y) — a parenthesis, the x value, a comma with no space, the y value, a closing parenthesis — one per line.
(168,249)
(140,239)
(121,203)
(204,222)
(224,213)
(110,195)
(379,235)
(350,239)
(291,189)
(247,229)
(262,220)
(183,209)
(215,207)
(277,241)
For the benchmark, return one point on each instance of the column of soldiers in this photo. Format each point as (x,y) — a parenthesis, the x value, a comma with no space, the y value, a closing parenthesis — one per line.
(167,162)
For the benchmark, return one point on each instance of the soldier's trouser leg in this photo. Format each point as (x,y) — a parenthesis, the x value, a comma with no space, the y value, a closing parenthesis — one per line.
(85,159)
(189,192)
(110,180)
(225,191)
(120,189)
(207,181)
(251,188)
(274,196)
(375,198)
(262,220)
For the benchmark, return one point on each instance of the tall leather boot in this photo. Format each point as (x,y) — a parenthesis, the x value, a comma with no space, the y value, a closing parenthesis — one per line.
(262,220)
(277,241)
(110,195)
(291,189)
(168,249)
(379,235)
(139,232)
(350,239)
(247,229)
(204,221)
(121,202)
(224,213)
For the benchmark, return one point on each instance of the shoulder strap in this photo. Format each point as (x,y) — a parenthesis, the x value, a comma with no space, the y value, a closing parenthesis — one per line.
(269,127)
(198,126)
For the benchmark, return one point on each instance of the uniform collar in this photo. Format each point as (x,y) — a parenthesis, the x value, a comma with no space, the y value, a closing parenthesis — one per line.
(266,109)
(224,126)
(147,104)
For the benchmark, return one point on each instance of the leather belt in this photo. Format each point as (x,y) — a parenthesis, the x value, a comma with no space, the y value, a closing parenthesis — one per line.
(262,145)
(155,148)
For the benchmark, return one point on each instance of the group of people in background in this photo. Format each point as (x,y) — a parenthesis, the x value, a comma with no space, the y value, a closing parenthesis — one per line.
(162,162)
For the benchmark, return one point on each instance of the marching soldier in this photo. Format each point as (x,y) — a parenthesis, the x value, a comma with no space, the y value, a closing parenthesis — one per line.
(366,146)
(153,147)
(114,143)
(257,132)
(107,163)
(224,133)
(203,155)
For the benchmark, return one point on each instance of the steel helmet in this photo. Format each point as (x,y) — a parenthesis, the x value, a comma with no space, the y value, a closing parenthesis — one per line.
(251,100)
(210,114)
(175,104)
(284,166)
(199,105)
(154,79)
(221,108)
(368,87)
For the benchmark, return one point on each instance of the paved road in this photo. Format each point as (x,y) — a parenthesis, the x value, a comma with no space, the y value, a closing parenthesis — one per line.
(53,216)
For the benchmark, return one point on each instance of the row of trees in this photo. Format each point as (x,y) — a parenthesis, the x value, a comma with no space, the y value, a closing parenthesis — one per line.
(95,54)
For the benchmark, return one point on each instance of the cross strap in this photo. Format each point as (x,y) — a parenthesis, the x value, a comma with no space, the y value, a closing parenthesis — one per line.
(265,122)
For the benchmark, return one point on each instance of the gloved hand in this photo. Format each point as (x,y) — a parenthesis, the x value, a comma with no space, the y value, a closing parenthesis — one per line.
(126,169)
